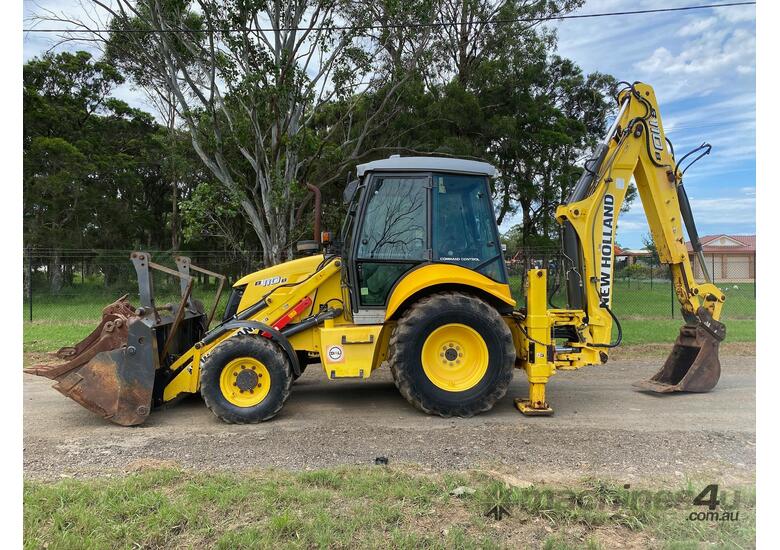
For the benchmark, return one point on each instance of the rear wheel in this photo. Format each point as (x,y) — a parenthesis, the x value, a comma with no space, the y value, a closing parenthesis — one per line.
(245,379)
(451,354)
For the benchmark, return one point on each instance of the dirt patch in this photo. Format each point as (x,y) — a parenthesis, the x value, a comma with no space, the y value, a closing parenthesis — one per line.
(143,464)
(39,358)
(602,427)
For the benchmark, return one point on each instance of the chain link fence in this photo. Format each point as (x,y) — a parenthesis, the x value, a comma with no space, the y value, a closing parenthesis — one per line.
(65,291)
(642,287)
(71,285)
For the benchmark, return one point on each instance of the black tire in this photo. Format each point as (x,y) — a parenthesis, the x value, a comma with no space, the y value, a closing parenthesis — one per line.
(256,347)
(410,334)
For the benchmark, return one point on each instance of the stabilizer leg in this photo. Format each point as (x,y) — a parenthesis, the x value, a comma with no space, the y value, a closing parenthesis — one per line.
(536,403)
(539,364)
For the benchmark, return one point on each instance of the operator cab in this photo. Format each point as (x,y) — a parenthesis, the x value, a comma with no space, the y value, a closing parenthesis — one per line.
(408,211)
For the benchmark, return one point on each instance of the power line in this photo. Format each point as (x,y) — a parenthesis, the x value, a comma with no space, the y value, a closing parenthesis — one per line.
(400,25)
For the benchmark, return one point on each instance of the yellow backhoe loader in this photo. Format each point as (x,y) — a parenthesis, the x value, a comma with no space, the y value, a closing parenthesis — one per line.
(418,285)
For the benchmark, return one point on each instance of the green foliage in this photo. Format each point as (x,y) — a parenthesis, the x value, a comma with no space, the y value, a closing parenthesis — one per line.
(97,172)
(647,240)
(214,211)
(641,270)
(91,163)
(283,119)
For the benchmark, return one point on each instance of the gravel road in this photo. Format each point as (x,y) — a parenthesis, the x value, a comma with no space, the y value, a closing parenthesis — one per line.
(601,427)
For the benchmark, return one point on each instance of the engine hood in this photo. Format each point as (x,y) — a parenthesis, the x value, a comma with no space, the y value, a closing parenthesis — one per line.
(287,272)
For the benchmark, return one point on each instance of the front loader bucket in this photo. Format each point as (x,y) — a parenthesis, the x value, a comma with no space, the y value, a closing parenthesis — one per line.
(113,379)
(116,370)
(693,365)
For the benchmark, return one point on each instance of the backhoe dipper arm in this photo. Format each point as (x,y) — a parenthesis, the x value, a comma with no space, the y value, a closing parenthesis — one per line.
(635,146)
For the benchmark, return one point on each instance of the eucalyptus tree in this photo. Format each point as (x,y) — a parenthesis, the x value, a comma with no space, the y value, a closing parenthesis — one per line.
(267,89)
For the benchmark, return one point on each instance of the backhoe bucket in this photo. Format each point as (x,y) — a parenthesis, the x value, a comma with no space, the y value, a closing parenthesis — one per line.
(693,365)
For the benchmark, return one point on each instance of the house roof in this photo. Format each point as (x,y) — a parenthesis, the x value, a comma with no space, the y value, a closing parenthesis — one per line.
(726,244)
(628,252)
(397,163)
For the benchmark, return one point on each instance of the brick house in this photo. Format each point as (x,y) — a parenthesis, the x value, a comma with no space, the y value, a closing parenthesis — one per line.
(729,258)
(625,256)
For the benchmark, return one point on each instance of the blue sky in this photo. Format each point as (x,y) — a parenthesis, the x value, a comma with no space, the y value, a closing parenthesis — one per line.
(702,66)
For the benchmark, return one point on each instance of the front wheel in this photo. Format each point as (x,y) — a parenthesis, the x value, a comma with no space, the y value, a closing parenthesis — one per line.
(245,379)
(452,354)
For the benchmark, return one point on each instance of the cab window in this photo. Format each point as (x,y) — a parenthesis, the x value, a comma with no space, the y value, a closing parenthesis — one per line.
(464,228)
(393,237)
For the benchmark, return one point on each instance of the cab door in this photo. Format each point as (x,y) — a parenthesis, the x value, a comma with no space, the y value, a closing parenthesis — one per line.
(392,238)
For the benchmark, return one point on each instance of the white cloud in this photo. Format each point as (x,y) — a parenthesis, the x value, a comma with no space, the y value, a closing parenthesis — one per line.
(734,210)
(697,27)
(738,14)
(631,225)
(708,58)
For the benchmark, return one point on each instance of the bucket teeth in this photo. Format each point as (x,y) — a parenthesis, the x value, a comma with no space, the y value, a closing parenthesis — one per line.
(693,365)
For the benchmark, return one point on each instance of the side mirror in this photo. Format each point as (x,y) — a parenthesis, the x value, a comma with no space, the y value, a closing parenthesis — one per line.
(349,191)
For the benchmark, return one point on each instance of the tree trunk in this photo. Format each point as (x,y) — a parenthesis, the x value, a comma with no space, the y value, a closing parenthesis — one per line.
(526,206)
(26,281)
(175,217)
(55,284)
(172,146)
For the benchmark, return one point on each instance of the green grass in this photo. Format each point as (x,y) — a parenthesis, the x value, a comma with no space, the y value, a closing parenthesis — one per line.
(645,310)
(640,298)
(365,507)
(655,331)
(45,336)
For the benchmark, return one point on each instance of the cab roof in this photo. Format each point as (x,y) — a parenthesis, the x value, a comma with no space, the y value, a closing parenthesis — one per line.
(397,163)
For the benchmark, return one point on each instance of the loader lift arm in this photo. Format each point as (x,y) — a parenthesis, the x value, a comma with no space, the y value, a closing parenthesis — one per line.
(635,147)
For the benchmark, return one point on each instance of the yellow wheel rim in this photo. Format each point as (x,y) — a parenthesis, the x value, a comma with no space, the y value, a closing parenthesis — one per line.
(455,357)
(245,382)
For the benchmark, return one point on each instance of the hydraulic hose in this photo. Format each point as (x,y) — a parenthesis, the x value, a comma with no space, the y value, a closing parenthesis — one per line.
(617,342)
(690,227)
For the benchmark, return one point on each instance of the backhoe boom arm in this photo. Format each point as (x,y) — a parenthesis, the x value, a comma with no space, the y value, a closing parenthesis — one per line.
(634,147)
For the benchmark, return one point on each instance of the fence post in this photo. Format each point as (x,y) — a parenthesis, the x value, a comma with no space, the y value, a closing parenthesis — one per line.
(651,273)
(29,285)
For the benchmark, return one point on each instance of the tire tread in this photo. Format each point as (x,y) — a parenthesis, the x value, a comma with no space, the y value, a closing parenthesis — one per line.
(209,387)
(406,330)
